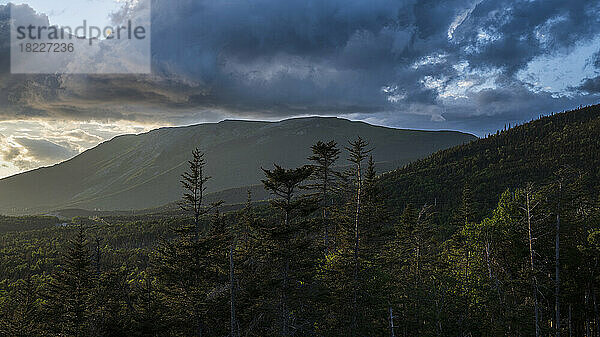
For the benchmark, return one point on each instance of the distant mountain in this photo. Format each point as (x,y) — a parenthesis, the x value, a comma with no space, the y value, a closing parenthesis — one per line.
(530,153)
(143,171)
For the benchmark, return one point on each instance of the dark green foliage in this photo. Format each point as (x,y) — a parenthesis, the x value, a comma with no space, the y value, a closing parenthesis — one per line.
(324,158)
(194,183)
(427,245)
(532,152)
(70,292)
(285,185)
(25,223)
(287,241)
(21,307)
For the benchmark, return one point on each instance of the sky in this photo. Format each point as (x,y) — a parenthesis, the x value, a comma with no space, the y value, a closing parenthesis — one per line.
(72,12)
(472,66)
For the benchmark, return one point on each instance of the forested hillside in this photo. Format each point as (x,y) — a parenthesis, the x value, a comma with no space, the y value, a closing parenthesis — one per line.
(499,237)
(533,152)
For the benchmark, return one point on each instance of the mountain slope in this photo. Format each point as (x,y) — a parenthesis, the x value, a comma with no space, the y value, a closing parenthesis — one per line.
(142,171)
(532,152)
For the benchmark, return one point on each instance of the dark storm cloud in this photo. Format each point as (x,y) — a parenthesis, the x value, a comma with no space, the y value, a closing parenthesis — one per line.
(514,32)
(591,85)
(272,58)
(596,60)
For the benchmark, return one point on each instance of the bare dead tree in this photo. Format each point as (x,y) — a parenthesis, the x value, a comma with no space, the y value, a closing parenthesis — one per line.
(358,153)
(557,263)
(528,208)
(392,327)
(570,326)
(233,321)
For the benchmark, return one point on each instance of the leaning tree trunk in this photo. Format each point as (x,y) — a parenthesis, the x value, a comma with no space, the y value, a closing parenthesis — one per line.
(570,326)
(285,315)
(531,260)
(234,324)
(324,202)
(557,265)
(392,327)
(356,245)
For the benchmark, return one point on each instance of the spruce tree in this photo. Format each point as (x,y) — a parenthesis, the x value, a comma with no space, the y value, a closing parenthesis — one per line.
(411,259)
(70,293)
(194,183)
(375,211)
(324,157)
(191,265)
(285,185)
(20,310)
(358,152)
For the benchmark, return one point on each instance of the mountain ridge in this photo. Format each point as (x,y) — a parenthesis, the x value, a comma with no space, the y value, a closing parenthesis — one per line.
(138,171)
